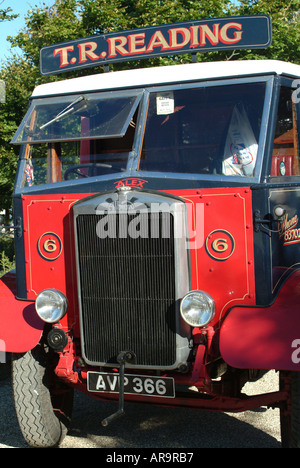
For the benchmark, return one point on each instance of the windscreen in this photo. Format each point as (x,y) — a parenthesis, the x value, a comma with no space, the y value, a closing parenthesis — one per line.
(204,130)
(79,138)
(75,118)
(201,129)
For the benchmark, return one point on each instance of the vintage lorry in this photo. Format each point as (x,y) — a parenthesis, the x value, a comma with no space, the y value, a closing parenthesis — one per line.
(156,217)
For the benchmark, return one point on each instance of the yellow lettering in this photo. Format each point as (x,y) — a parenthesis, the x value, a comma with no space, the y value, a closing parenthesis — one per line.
(86,50)
(158,40)
(136,40)
(173,34)
(237,35)
(63,52)
(206,33)
(117,45)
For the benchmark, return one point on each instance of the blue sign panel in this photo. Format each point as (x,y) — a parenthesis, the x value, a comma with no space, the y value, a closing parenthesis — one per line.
(239,32)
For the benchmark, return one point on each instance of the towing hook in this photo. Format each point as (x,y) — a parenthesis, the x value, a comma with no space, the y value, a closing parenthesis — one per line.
(126,356)
(123,358)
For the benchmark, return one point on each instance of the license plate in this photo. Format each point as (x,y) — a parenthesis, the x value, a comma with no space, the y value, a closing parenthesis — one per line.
(133,384)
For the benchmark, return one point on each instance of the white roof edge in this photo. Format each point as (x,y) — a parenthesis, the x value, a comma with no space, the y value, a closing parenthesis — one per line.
(167,74)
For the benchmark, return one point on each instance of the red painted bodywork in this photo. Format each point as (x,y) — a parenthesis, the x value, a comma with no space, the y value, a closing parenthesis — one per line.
(225,211)
(222,264)
(228,278)
(21,328)
(265,337)
(49,217)
(250,337)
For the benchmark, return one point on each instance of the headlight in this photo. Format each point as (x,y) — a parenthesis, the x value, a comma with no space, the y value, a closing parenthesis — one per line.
(51,305)
(197,308)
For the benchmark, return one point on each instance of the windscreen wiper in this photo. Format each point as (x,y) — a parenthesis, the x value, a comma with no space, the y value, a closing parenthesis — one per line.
(70,109)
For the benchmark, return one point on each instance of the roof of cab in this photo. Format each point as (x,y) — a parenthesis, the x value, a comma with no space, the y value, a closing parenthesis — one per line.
(167,74)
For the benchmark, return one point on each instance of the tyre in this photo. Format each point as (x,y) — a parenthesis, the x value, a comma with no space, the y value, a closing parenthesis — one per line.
(290,411)
(43,405)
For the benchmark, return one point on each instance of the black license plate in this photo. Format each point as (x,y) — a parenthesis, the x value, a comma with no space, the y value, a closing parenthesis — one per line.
(133,385)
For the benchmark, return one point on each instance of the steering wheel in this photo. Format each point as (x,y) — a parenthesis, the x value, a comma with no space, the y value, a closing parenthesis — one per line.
(77,168)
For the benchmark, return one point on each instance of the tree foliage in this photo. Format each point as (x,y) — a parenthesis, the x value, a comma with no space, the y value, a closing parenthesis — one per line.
(6,14)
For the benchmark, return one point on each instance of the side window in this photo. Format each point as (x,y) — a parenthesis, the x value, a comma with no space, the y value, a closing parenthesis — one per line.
(285,159)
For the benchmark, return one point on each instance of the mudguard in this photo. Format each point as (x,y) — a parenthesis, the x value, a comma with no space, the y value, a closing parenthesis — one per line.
(265,337)
(20,326)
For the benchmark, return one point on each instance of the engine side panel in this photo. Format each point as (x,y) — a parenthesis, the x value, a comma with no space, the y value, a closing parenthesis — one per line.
(21,328)
(265,337)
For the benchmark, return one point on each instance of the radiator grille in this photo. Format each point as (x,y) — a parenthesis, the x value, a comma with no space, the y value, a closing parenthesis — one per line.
(127,291)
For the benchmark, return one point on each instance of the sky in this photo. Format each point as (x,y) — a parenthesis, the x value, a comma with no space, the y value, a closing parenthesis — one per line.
(11,28)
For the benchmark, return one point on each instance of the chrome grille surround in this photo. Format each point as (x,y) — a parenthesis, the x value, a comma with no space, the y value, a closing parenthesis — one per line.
(130,288)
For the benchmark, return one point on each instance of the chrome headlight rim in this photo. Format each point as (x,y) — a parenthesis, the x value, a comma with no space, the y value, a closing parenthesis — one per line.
(51,305)
(210,311)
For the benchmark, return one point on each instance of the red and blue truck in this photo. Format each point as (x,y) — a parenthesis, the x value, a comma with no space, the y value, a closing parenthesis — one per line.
(157,231)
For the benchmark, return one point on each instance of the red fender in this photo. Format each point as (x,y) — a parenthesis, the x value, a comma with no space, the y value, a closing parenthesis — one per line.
(20,327)
(265,337)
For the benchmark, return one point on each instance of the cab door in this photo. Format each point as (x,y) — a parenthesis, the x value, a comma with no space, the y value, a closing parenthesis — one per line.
(284,188)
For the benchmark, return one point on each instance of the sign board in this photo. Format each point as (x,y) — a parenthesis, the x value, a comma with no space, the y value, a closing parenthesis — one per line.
(238,32)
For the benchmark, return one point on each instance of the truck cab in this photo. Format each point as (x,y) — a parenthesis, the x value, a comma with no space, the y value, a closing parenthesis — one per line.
(157,242)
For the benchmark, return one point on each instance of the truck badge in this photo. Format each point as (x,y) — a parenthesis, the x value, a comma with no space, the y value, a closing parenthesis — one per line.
(49,246)
(220,245)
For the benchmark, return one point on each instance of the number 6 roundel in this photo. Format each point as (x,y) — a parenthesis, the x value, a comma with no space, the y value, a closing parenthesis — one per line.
(220,245)
(49,246)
